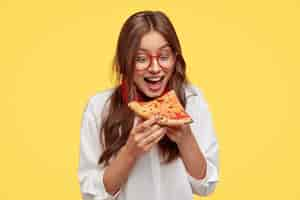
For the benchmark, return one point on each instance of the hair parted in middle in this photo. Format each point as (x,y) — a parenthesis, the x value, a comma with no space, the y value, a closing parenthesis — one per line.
(116,125)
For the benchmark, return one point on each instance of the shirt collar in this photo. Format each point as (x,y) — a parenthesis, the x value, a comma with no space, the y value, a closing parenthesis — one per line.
(190,91)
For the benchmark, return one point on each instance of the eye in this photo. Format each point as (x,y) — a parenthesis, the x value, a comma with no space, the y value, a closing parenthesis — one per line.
(141,58)
(164,56)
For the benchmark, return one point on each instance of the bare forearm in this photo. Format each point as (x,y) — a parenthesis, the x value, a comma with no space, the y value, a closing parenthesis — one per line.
(192,157)
(118,171)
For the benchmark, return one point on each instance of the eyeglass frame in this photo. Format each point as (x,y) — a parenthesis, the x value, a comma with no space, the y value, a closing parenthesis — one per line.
(156,56)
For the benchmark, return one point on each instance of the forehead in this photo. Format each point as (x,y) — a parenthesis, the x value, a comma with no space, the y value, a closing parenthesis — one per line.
(153,41)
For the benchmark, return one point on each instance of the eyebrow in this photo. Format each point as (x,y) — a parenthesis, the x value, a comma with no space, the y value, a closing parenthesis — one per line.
(163,46)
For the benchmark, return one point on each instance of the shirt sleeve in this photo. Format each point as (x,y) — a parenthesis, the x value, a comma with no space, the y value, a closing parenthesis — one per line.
(90,174)
(204,132)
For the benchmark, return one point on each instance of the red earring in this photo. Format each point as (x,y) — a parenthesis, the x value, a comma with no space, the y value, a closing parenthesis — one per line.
(124,91)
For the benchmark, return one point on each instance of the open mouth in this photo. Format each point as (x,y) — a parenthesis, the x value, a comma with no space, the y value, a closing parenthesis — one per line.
(154,84)
(153,80)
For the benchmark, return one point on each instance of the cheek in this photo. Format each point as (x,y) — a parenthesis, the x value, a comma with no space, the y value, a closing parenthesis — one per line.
(137,76)
(170,73)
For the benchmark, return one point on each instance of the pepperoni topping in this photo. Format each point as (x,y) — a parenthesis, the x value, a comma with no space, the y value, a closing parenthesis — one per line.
(180,115)
(167,106)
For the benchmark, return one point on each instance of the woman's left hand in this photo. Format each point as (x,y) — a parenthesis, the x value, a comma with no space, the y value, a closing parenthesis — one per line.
(178,133)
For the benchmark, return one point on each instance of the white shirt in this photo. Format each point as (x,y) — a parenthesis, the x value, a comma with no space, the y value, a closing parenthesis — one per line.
(148,179)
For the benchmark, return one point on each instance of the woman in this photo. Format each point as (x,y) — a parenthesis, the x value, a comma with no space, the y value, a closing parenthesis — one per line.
(126,158)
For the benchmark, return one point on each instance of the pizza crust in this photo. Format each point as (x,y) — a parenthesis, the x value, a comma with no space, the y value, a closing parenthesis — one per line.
(139,110)
(174,122)
(146,110)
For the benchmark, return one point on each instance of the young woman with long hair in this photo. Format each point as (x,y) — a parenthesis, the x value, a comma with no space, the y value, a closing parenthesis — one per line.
(127,158)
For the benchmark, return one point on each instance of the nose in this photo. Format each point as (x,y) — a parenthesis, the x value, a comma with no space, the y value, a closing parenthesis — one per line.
(154,66)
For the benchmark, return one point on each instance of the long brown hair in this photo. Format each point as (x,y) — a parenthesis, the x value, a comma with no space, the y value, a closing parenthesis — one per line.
(117,124)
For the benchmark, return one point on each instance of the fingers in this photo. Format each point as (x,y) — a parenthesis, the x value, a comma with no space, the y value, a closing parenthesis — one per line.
(146,133)
(148,146)
(158,139)
(153,137)
(146,124)
(137,120)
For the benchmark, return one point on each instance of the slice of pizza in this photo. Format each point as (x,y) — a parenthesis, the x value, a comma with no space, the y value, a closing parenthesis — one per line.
(167,107)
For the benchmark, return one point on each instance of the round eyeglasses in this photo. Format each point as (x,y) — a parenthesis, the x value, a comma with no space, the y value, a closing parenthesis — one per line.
(165,59)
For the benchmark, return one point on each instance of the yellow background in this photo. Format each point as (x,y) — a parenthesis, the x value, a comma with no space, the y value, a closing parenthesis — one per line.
(244,55)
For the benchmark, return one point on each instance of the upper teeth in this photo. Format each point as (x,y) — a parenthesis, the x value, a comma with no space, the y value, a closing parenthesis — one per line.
(154,79)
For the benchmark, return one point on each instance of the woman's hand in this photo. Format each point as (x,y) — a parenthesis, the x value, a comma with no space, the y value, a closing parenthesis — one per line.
(143,136)
(178,134)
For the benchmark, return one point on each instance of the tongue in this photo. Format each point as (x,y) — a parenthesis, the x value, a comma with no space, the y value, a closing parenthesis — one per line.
(154,86)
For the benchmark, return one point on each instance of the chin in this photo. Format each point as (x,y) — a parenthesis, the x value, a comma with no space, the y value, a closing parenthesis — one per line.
(152,94)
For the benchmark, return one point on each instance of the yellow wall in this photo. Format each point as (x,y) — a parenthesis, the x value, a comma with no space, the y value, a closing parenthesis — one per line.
(244,56)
